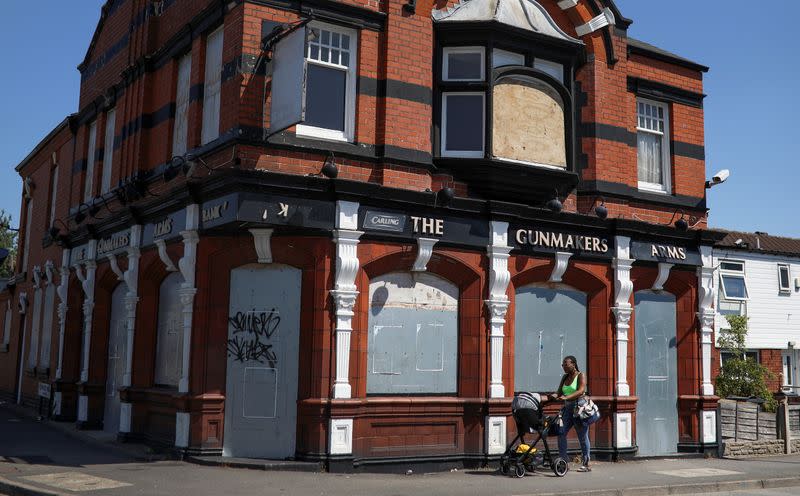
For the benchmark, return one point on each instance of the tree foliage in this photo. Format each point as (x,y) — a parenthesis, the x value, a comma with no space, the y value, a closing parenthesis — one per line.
(742,375)
(8,240)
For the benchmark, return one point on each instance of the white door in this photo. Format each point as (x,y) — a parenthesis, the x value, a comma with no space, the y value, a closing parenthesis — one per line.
(117,345)
(262,355)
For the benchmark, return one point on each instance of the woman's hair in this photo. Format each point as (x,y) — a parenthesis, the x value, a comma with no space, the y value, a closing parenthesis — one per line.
(573,360)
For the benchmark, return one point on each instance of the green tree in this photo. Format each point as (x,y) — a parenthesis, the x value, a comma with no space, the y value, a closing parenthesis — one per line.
(8,240)
(741,375)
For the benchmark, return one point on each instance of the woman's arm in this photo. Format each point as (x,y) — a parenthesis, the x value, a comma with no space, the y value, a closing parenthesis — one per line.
(578,392)
(557,395)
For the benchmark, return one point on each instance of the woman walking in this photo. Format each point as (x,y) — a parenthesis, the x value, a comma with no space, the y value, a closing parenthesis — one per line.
(571,388)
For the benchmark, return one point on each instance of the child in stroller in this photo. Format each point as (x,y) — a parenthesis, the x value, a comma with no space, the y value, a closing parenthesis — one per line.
(521,458)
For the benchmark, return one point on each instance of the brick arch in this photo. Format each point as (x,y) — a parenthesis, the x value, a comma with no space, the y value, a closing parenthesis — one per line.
(463,269)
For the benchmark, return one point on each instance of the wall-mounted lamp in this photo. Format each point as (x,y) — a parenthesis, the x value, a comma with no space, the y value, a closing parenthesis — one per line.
(554,204)
(80,216)
(329,168)
(410,6)
(55,232)
(681,224)
(445,195)
(600,210)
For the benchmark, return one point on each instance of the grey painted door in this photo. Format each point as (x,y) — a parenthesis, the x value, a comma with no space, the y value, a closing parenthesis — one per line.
(656,373)
(117,345)
(550,323)
(263,346)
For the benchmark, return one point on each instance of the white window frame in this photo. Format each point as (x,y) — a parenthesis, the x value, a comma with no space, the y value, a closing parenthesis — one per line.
(733,273)
(53,194)
(180,126)
(757,353)
(788,375)
(666,170)
(443,138)
(446,51)
(212,90)
(781,287)
(513,57)
(108,151)
(350,87)
(91,150)
(550,68)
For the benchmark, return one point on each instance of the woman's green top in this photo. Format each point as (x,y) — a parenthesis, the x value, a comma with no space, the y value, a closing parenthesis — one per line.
(566,390)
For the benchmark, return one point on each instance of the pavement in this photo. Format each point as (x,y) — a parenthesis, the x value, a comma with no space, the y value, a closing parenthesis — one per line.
(49,458)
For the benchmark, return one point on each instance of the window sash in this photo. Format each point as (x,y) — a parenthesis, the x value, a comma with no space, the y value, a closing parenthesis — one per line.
(108,151)
(784,273)
(349,67)
(212,87)
(88,187)
(180,128)
(551,68)
(447,51)
(731,266)
(448,152)
(653,158)
(502,58)
(730,278)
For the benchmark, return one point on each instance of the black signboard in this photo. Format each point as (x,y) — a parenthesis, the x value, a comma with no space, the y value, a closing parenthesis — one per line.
(530,238)
(449,229)
(166,228)
(662,252)
(262,209)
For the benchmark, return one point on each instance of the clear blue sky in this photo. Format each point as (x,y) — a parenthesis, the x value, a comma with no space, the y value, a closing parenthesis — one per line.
(752,111)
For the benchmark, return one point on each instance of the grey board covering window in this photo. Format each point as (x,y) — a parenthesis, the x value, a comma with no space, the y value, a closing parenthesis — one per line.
(169,339)
(549,325)
(413,335)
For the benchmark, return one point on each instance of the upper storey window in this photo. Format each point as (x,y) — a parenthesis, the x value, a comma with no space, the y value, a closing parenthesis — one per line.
(213,87)
(652,130)
(463,64)
(88,185)
(330,83)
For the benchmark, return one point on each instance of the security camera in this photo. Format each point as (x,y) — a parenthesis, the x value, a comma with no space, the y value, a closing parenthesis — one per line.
(738,242)
(718,178)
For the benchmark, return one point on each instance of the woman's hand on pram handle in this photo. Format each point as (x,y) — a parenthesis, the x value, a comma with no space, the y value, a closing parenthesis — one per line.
(554,397)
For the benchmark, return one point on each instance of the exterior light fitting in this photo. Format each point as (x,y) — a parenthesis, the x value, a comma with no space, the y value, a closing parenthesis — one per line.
(329,168)
(445,195)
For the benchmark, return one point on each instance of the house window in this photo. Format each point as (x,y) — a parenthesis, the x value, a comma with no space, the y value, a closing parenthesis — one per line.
(463,64)
(181,125)
(748,355)
(788,372)
(330,83)
(551,68)
(731,276)
(783,278)
(653,145)
(213,86)
(501,58)
(88,186)
(463,124)
(108,151)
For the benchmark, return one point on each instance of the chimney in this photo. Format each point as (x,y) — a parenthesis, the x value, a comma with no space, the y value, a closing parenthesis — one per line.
(758,240)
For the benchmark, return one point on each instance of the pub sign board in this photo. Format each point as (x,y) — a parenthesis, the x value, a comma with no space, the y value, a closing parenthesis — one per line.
(531,238)
(115,243)
(78,254)
(399,224)
(167,227)
(255,208)
(662,252)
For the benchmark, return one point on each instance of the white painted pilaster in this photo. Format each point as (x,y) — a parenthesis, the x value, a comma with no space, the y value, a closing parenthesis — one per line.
(62,291)
(497,304)
(705,288)
(495,435)
(341,437)
(663,274)
(262,239)
(131,279)
(709,422)
(345,293)
(624,431)
(623,288)
(188,269)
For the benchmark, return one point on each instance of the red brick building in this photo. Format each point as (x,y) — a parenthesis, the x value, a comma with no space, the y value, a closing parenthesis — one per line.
(350,231)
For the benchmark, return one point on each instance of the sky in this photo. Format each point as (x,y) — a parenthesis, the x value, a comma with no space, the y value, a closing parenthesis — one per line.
(752,111)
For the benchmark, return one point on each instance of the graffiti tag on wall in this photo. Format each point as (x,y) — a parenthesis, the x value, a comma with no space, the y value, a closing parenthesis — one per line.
(252,335)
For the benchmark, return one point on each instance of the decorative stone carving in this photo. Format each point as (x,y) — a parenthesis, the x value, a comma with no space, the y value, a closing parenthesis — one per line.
(663,275)
(23,303)
(495,435)
(622,310)
(497,304)
(706,315)
(37,277)
(560,267)
(567,4)
(605,18)
(424,253)
(49,272)
(164,256)
(262,239)
(112,262)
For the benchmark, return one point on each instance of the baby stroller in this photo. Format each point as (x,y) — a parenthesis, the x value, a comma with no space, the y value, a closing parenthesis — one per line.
(520,458)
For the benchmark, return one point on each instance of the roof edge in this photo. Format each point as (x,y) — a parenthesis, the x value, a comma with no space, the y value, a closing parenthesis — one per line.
(644,48)
(45,141)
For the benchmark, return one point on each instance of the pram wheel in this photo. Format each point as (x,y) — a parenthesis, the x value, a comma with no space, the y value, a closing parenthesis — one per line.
(560,467)
(519,471)
(504,468)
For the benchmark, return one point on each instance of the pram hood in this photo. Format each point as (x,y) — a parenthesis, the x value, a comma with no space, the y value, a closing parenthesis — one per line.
(526,400)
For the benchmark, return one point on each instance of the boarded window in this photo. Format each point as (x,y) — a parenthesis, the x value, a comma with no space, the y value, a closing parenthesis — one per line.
(181,125)
(35,329)
(528,122)
(413,335)
(88,187)
(47,325)
(169,342)
(550,323)
(213,86)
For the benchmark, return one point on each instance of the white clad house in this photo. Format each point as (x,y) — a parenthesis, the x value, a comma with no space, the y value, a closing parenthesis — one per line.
(758,275)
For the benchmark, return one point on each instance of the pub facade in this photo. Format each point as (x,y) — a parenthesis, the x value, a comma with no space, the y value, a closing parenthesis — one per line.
(349,233)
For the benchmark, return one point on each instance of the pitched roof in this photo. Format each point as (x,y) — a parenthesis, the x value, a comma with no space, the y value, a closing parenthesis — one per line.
(760,242)
(635,45)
